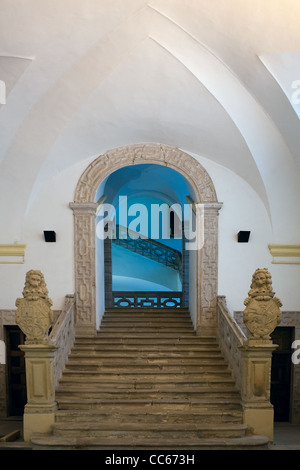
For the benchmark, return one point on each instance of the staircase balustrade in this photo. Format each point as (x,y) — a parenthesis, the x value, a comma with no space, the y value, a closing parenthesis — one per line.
(148,247)
(231,338)
(250,360)
(169,299)
(63,335)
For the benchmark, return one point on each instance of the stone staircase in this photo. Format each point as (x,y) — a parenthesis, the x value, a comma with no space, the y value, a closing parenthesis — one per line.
(147,381)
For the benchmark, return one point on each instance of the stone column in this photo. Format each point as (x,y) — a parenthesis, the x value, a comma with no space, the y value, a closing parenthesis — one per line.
(85,275)
(34,317)
(208,272)
(261,316)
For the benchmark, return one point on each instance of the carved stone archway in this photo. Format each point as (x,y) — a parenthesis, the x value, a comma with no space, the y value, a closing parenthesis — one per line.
(84,209)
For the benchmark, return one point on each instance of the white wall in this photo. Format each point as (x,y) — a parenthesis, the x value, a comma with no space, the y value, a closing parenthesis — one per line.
(50,211)
(242,210)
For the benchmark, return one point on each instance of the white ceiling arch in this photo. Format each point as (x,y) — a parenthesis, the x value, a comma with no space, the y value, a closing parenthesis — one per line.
(80,90)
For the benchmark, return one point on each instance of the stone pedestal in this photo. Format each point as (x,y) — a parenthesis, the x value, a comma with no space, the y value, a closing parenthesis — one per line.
(256,373)
(39,413)
(261,316)
(35,318)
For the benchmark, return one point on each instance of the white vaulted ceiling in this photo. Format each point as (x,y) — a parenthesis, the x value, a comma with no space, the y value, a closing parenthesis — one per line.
(207,76)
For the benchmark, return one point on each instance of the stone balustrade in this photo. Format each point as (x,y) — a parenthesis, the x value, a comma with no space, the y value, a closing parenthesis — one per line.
(43,365)
(250,357)
(231,338)
(63,335)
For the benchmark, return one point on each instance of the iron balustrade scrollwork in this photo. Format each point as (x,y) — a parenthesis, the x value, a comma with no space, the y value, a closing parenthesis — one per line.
(147,247)
(147,299)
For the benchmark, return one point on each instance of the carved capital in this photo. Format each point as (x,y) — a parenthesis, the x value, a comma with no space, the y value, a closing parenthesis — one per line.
(212,207)
(79,207)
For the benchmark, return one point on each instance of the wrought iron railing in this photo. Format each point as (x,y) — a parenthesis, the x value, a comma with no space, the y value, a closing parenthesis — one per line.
(147,299)
(148,247)
(151,249)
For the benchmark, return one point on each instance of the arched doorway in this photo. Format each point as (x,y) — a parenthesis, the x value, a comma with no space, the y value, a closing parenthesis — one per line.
(142,221)
(203,307)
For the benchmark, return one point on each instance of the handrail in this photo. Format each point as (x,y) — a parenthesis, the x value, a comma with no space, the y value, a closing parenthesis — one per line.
(63,335)
(148,247)
(231,338)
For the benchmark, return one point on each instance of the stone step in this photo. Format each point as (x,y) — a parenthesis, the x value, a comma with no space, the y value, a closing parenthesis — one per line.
(146,355)
(117,430)
(146,323)
(112,346)
(125,322)
(191,337)
(150,342)
(140,330)
(134,382)
(146,394)
(146,343)
(137,367)
(146,320)
(147,380)
(157,415)
(146,335)
(136,377)
(42,441)
(141,357)
(147,311)
(167,404)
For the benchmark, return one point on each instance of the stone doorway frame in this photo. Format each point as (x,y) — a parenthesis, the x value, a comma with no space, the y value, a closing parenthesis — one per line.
(84,209)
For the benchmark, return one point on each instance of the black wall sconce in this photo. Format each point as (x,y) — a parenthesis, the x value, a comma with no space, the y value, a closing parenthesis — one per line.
(50,236)
(243,236)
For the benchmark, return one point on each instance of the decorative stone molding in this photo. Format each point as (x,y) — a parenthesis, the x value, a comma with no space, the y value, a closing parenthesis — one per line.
(262,313)
(12,254)
(164,155)
(85,268)
(34,315)
(287,254)
(208,271)
(84,209)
